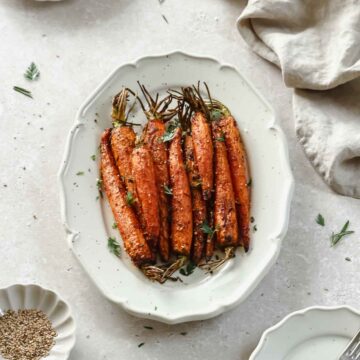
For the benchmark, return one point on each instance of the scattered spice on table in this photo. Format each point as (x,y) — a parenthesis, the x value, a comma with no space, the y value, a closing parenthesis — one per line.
(26,335)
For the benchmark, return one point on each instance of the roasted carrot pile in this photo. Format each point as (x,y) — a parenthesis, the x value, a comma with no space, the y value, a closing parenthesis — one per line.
(180,189)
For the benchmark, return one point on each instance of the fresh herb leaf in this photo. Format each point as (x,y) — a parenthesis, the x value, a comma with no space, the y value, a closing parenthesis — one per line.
(130,198)
(93,157)
(206,229)
(164,17)
(141,344)
(114,225)
(320,220)
(167,190)
(23,91)
(335,238)
(188,269)
(32,72)
(148,327)
(215,115)
(114,246)
(80,173)
(170,130)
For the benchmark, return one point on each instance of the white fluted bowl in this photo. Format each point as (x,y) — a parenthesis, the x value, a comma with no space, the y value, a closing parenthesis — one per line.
(18,297)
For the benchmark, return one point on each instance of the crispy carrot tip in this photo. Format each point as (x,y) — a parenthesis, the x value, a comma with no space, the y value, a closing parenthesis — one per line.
(213,265)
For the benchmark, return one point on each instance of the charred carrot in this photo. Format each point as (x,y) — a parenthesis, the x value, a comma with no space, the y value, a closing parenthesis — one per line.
(203,151)
(224,208)
(125,217)
(143,172)
(182,222)
(240,175)
(198,203)
(154,133)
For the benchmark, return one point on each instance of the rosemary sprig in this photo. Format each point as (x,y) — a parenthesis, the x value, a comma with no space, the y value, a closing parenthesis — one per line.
(335,238)
(114,246)
(320,220)
(23,91)
(206,229)
(188,269)
(32,72)
(167,190)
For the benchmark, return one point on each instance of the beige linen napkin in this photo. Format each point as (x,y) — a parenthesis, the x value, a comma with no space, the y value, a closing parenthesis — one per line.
(316,44)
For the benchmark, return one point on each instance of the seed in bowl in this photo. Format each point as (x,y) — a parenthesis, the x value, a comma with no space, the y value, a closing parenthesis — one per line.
(26,335)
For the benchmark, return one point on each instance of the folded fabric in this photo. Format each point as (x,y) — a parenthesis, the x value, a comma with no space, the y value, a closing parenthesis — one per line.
(316,44)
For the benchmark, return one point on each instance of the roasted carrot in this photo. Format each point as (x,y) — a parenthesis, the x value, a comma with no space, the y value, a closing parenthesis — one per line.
(225,220)
(198,203)
(154,132)
(122,145)
(127,223)
(203,151)
(143,172)
(240,175)
(182,223)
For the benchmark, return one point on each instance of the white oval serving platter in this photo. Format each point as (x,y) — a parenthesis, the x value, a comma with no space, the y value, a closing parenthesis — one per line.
(88,220)
(18,297)
(315,333)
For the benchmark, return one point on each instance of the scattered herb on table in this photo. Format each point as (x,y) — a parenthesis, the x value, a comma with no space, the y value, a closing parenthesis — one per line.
(164,17)
(93,157)
(141,344)
(249,183)
(99,183)
(183,333)
(167,190)
(32,72)
(80,173)
(114,246)
(114,225)
(347,259)
(23,91)
(148,327)
(188,269)
(255,228)
(320,220)
(335,238)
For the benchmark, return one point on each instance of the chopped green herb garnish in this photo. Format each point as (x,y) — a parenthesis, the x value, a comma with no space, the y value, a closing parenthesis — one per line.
(32,72)
(347,259)
(170,130)
(148,327)
(114,225)
(93,157)
(167,190)
(335,238)
(252,219)
(220,138)
(248,184)
(114,246)
(141,344)
(320,220)
(23,91)
(255,227)
(216,115)
(80,173)
(183,333)
(206,229)
(130,198)
(188,269)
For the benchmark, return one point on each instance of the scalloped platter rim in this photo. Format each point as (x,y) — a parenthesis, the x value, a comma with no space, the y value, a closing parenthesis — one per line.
(88,220)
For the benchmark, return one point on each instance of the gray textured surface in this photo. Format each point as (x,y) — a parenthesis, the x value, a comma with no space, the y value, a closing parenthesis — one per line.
(76,43)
